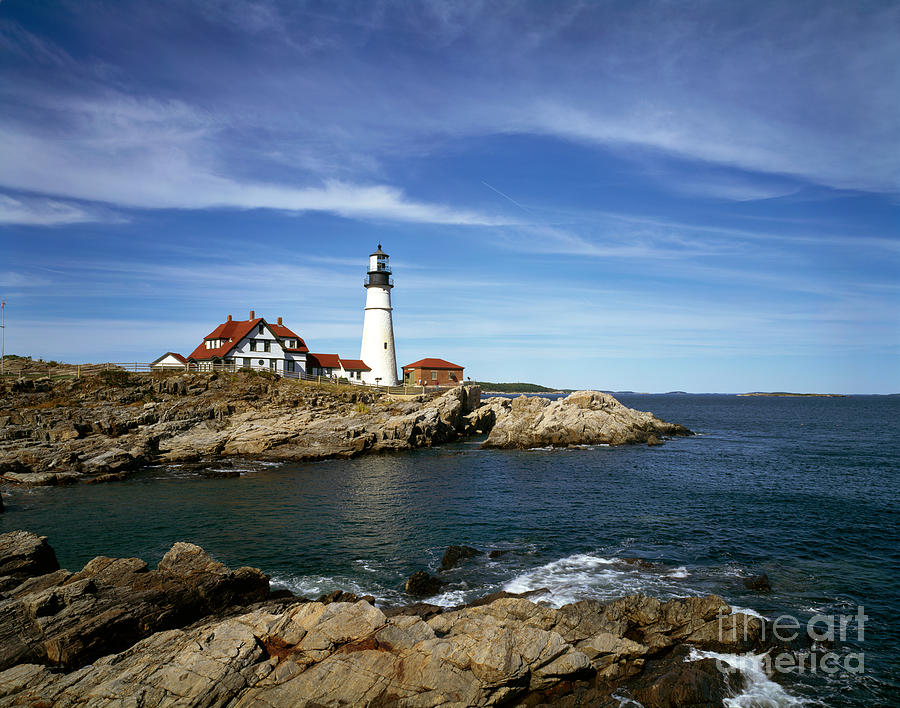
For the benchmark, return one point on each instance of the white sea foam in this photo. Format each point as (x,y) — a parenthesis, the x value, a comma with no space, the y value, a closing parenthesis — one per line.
(759,691)
(312,586)
(746,611)
(575,577)
(625,701)
(679,572)
(450,598)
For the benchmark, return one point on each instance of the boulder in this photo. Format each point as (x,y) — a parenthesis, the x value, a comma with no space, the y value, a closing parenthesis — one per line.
(173,636)
(112,603)
(421,583)
(677,682)
(25,555)
(760,583)
(454,554)
(341,596)
(582,418)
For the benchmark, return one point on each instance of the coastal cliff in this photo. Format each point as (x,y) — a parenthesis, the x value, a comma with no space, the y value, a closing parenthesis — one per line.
(194,633)
(99,429)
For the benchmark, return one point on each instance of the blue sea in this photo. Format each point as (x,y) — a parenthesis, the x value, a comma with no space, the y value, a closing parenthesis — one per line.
(802,489)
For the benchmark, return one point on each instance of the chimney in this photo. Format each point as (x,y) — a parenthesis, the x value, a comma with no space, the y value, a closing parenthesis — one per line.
(279,322)
(229,318)
(252,314)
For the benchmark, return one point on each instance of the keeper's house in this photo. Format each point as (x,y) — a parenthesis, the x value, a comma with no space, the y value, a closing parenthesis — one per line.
(432,372)
(252,343)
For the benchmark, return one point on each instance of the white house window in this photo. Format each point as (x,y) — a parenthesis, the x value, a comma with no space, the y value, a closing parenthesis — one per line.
(265,346)
(434,375)
(245,362)
(262,329)
(252,345)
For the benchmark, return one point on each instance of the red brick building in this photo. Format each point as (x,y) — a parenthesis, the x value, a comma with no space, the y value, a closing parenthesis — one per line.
(432,372)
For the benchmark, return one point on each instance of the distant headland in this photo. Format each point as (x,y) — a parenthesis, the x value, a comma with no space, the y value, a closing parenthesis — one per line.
(785,394)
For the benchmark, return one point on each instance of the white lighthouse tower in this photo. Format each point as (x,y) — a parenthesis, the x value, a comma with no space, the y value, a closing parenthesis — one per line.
(377,349)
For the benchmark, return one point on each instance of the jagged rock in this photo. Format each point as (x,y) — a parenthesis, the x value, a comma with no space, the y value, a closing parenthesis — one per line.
(499,553)
(582,418)
(294,652)
(99,432)
(341,596)
(421,583)
(675,682)
(454,554)
(112,603)
(503,594)
(25,555)
(760,583)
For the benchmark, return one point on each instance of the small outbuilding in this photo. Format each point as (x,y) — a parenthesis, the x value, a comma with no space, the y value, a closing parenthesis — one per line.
(432,372)
(169,360)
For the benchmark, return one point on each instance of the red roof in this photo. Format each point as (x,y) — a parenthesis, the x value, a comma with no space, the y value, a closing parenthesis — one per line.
(432,364)
(175,354)
(324,361)
(283,332)
(355,365)
(234,331)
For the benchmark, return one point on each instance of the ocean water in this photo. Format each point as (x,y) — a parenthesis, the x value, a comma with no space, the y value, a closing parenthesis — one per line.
(803,489)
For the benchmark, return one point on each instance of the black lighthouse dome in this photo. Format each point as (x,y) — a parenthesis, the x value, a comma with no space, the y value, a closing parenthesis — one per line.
(379,271)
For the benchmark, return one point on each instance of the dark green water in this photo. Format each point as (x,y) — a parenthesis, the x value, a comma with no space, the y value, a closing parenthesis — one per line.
(803,489)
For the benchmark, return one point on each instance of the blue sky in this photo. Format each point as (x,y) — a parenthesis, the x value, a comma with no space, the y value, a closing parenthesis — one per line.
(650,196)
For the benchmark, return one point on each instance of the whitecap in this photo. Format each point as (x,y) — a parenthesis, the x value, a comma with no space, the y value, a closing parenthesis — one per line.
(679,572)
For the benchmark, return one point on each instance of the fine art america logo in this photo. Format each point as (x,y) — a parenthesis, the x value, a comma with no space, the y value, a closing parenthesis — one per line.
(822,630)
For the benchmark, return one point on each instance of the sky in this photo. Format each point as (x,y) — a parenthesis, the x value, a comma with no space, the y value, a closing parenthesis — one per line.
(648,196)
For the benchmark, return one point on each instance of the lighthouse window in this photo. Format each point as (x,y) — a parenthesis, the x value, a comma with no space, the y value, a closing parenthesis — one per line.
(385,345)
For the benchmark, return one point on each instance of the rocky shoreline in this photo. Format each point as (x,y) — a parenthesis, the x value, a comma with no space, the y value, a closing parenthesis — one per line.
(194,633)
(99,429)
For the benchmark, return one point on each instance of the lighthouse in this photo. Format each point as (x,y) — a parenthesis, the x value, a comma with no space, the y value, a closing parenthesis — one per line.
(377,349)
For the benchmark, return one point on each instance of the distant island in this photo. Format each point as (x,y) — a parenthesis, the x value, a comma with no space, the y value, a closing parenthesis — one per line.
(489,387)
(786,394)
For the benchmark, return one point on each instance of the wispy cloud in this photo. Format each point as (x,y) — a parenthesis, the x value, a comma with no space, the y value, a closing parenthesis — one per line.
(39,211)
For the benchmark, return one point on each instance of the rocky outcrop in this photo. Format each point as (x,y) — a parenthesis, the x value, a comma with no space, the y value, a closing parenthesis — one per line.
(454,554)
(759,583)
(54,617)
(353,654)
(24,555)
(421,584)
(90,430)
(174,636)
(582,418)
